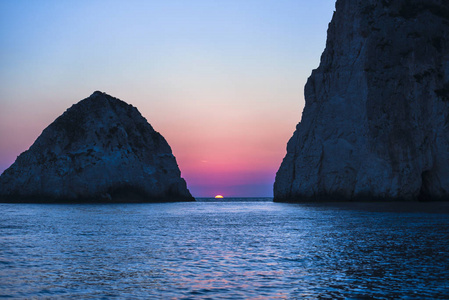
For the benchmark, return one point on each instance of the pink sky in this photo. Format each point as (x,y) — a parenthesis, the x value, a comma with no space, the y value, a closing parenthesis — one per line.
(221,81)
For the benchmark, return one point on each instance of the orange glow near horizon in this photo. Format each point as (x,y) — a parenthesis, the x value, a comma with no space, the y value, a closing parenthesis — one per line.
(219,197)
(236,157)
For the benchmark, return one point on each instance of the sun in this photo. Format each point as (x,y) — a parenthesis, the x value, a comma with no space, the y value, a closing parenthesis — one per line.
(219,197)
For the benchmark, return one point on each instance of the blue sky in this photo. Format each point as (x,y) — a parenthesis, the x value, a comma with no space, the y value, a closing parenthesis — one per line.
(221,80)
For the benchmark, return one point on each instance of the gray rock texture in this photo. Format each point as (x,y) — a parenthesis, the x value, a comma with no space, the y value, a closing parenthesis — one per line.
(100,150)
(375,123)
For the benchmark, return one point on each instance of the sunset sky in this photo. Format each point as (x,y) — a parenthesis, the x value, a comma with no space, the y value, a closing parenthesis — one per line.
(222,81)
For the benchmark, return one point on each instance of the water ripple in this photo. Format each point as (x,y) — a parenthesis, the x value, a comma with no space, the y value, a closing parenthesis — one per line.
(216,250)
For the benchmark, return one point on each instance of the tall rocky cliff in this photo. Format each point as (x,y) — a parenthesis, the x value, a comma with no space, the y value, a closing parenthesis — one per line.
(376,121)
(100,149)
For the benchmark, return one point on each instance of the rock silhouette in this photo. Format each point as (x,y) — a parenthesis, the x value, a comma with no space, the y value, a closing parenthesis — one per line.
(375,123)
(100,150)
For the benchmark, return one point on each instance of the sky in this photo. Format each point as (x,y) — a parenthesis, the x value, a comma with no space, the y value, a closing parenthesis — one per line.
(221,80)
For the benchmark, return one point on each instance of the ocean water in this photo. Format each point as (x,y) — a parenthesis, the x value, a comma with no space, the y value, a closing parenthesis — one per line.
(242,249)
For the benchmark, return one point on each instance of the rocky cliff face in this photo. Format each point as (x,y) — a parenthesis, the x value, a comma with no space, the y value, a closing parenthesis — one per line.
(100,149)
(375,124)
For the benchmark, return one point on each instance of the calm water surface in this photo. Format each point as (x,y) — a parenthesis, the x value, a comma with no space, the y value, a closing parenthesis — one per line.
(225,250)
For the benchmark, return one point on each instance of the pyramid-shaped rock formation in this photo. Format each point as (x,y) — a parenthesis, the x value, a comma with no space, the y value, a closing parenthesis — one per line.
(376,121)
(100,150)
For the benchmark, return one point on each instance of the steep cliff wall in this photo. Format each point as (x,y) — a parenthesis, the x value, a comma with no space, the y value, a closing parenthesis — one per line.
(100,149)
(375,123)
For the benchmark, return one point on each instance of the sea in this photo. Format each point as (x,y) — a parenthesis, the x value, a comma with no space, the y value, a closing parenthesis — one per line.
(247,248)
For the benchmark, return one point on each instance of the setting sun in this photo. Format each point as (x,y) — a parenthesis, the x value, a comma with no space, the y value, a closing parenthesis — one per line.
(218,197)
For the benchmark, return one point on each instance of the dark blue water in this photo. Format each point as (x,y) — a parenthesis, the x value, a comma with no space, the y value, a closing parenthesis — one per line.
(234,250)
